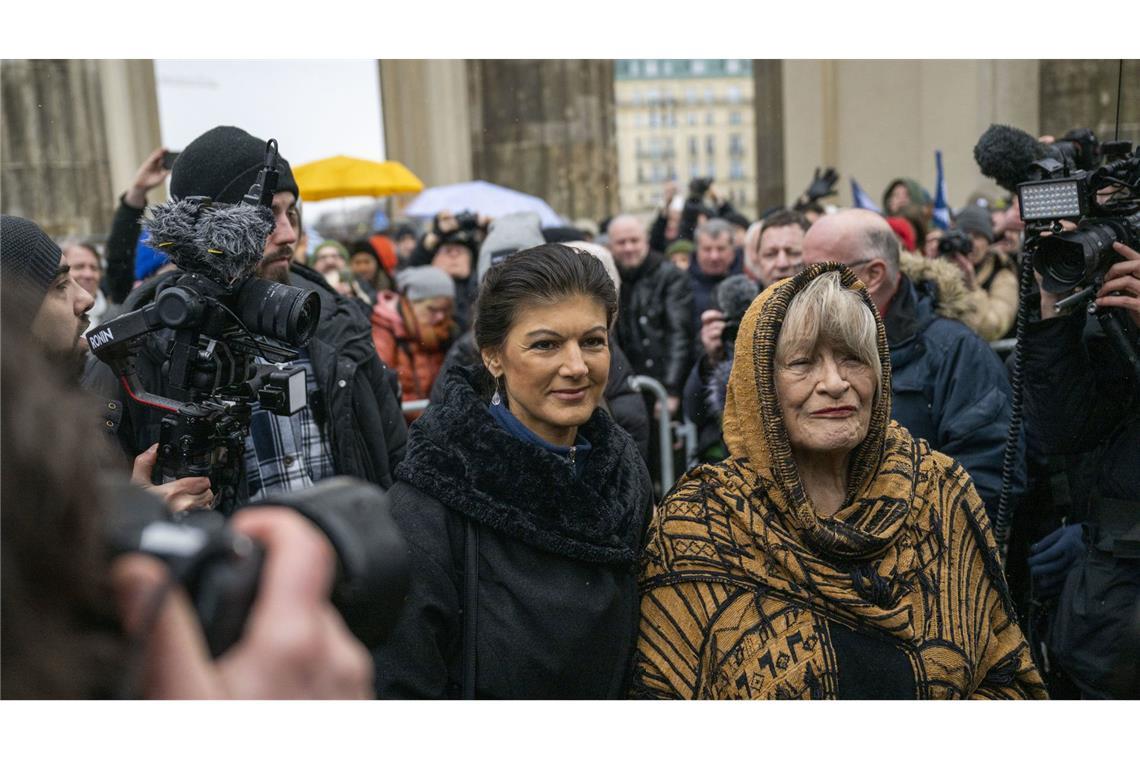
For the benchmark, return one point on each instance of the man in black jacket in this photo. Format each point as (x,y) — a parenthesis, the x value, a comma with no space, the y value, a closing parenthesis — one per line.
(353,424)
(1082,398)
(654,326)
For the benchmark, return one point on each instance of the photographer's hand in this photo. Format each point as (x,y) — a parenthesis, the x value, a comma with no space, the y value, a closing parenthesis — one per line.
(1122,283)
(184,493)
(295,645)
(149,176)
(968,273)
(712,327)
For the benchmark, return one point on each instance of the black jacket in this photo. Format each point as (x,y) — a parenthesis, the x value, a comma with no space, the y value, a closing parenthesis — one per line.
(624,403)
(121,242)
(557,602)
(358,406)
(654,322)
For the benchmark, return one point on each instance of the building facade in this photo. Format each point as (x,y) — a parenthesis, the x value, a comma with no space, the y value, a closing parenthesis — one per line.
(682,119)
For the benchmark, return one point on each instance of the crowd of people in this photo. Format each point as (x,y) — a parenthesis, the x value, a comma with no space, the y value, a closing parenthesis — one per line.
(831,536)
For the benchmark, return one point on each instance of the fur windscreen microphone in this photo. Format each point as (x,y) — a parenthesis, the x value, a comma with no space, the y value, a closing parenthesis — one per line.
(222,242)
(734,296)
(1005,155)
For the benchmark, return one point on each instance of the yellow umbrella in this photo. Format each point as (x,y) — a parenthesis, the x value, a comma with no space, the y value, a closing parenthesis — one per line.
(344,176)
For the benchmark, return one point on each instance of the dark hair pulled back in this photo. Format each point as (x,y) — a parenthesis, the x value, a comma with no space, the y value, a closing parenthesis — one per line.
(543,275)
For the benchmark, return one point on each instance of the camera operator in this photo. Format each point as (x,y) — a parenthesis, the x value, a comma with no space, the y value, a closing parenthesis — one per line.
(1080,398)
(352,424)
(989,274)
(76,625)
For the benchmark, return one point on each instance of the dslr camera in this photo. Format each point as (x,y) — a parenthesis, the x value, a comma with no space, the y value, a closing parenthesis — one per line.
(954,242)
(220,569)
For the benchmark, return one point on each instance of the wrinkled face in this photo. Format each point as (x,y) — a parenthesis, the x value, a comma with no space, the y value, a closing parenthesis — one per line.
(62,317)
(85,267)
(328,259)
(825,397)
(628,242)
(714,254)
(898,199)
(454,259)
(432,312)
(554,365)
(780,253)
(274,264)
(364,266)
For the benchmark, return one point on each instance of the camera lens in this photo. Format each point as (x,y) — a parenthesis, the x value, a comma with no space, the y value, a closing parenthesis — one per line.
(1067,258)
(278,311)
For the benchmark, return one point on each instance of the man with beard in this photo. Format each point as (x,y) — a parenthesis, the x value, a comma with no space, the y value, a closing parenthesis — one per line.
(352,424)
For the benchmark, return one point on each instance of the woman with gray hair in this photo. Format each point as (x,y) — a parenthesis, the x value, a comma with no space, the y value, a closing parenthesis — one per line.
(830,555)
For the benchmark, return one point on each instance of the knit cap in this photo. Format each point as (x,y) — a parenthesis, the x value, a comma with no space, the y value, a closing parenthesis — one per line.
(680,245)
(222,164)
(508,234)
(420,283)
(330,243)
(975,219)
(29,258)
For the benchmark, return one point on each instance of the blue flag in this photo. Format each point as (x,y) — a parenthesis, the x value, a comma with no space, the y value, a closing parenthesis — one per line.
(941,208)
(862,200)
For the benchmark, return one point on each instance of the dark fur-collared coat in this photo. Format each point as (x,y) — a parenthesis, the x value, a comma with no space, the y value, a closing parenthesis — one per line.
(556,604)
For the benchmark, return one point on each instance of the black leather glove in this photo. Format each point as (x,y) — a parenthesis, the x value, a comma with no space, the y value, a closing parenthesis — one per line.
(822,185)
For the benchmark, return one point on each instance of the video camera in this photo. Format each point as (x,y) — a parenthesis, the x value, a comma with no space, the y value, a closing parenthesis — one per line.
(221,570)
(221,316)
(1106,203)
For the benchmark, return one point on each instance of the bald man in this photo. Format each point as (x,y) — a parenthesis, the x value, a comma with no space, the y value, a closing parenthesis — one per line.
(947,385)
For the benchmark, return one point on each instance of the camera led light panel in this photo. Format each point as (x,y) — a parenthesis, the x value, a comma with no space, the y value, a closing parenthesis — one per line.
(1056,199)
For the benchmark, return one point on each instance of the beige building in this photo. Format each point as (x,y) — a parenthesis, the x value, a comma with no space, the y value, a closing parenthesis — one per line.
(681,119)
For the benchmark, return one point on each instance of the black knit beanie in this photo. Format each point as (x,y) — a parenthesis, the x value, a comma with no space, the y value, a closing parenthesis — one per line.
(29,259)
(222,164)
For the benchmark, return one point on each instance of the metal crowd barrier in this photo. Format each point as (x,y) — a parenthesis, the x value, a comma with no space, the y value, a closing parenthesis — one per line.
(1003,347)
(664,425)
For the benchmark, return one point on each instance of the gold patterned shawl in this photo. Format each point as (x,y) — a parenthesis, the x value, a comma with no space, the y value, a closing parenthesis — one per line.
(747,593)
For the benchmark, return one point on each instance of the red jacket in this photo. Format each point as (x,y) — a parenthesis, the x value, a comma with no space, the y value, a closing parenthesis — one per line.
(416,354)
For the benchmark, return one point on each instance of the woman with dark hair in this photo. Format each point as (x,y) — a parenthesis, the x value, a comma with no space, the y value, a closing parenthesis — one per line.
(523,502)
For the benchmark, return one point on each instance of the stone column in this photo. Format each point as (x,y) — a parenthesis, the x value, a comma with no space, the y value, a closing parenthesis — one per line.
(547,128)
(427,118)
(73,134)
(768,100)
(1084,94)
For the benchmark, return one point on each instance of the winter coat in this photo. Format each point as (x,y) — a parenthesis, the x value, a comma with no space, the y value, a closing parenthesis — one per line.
(556,600)
(947,384)
(620,398)
(704,287)
(749,593)
(1081,398)
(357,404)
(655,321)
(416,355)
(995,297)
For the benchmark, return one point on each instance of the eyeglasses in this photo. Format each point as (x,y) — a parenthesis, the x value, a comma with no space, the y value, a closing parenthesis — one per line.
(859,263)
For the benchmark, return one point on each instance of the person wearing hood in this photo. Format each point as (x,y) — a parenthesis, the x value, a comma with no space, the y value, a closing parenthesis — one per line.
(523,503)
(413,328)
(949,386)
(832,555)
(519,231)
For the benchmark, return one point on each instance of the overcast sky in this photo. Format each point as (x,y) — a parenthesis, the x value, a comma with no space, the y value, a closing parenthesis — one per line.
(315,109)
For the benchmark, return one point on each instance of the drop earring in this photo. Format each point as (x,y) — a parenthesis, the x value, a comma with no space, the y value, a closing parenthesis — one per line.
(496,399)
